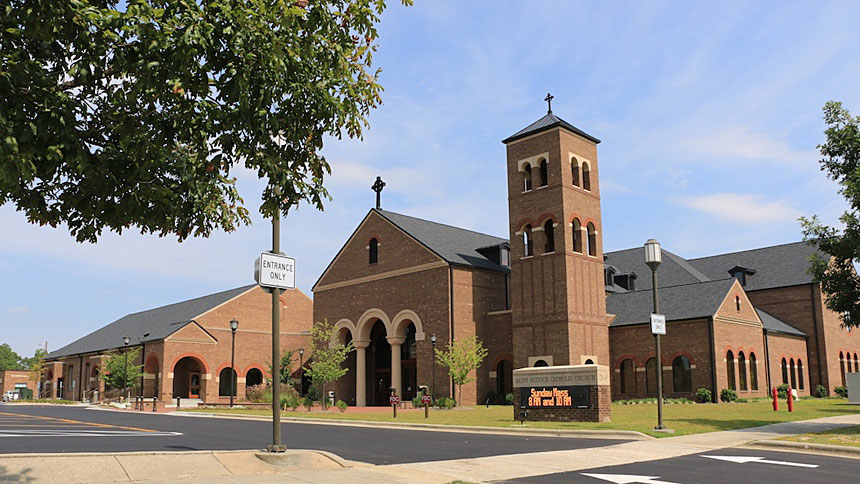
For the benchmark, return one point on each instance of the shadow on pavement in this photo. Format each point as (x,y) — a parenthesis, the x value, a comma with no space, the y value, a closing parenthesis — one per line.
(22,476)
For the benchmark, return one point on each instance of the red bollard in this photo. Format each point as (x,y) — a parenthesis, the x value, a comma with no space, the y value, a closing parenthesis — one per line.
(775,399)
(790,400)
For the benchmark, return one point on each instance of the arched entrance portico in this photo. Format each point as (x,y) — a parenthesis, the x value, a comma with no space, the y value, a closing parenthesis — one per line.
(188,380)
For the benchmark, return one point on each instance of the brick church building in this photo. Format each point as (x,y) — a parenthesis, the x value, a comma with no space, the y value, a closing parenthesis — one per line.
(549,295)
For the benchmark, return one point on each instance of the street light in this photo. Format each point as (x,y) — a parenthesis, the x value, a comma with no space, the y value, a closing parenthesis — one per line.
(433,389)
(301,371)
(125,341)
(234,325)
(653,257)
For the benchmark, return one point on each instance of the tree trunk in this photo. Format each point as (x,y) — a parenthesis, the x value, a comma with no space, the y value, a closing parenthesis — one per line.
(459,395)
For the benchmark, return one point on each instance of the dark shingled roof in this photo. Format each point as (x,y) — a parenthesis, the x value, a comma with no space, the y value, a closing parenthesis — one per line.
(547,122)
(674,271)
(453,244)
(777,266)
(688,301)
(774,325)
(152,325)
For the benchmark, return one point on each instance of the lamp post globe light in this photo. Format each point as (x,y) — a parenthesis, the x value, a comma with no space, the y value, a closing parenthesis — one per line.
(433,387)
(125,341)
(234,325)
(653,258)
(301,372)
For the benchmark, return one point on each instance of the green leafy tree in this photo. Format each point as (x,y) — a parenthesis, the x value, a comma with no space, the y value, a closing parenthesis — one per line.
(326,363)
(461,357)
(36,366)
(120,371)
(841,161)
(137,113)
(9,360)
(287,360)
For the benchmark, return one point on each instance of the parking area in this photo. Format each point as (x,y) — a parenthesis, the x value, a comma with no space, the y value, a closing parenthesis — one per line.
(24,425)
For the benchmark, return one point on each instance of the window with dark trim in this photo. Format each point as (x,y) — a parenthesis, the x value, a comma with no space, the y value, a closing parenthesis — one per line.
(373,256)
(682,375)
(592,240)
(753,372)
(799,374)
(544,176)
(224,382)
(742,371)
(527,241)
(574,168)
(651,375)
(586,177)
(577,235)
(628,376)
(730,370)
(784,366)
(549,232)
(527,177)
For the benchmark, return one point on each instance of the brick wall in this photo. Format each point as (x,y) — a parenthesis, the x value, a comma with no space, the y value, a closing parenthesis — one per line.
(792,349)
(599,410)
(8,379)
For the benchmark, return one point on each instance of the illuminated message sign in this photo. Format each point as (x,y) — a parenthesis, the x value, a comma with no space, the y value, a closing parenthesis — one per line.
(546,397)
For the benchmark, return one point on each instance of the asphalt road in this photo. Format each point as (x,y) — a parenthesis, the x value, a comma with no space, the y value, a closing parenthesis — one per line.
(783,468)
(56,429)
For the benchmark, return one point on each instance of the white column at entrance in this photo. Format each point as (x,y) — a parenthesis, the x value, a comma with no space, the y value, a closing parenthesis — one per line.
(360,372)
(395,343)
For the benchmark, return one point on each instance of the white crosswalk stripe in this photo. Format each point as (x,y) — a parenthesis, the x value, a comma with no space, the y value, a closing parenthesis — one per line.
(83,433)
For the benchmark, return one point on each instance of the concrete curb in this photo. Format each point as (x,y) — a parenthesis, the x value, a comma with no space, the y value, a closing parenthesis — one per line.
(142,452)
(811,447)
(595,434)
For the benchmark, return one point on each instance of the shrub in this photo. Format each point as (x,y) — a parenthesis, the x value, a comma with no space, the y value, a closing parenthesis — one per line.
(416,402)
(313,392)
(256,393)
(820,391)
(308,402)
(509,399)
(341,405)
(841,391)
(290,400)
(782,391)
(728,395)
(446,403)
(703,395)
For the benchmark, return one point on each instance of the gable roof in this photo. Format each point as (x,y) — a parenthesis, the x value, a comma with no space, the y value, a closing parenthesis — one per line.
(549,121)
(773,325)
(151,325)
(776,266)
(687,301)
(453,244)
(674,271)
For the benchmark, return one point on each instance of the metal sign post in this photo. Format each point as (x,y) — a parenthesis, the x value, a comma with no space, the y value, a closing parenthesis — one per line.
(658,327)
(276,272)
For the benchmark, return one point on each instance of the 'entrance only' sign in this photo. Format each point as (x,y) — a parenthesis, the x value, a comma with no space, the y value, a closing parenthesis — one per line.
(275,271)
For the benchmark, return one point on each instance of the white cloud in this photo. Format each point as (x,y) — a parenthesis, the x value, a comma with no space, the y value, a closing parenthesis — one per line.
(741,144)
(742,208)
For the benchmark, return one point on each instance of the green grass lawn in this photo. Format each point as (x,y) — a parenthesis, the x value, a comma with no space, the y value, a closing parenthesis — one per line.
(684,419)
(53,401)
(849,436)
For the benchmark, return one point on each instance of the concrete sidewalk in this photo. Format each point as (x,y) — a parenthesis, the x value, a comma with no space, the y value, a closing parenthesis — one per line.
(242,467)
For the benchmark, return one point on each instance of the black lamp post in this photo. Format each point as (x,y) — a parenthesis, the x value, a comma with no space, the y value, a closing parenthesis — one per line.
(433,387)
(301,372)
(125,341)
(653,257)
(234,325)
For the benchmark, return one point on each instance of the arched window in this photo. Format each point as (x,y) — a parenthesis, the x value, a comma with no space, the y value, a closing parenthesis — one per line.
(856,363)
(791,373)
(503,378)
(589,361)
(592,240)
(799,374)
(574,168)
(374,251)
(651,375)
(527,177)
(577,235)
(549,231)
(742,371)
(682,375)
(753,372)
(253,377)
(730,370)
(586,177)
(784,372)
(544,178)
(628,376)
(539,363)
(841,367)
(527,241)
(226,375)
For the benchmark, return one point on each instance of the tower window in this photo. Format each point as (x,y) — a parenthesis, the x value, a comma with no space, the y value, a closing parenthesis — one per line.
(549,230)
(574,168)
(527,177)
(738,303)
(577,235)
(592,240)
(586,177)
(373,256)
(527,240)
(543,173)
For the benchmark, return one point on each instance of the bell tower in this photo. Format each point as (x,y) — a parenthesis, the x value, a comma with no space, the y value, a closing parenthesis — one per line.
(558,298)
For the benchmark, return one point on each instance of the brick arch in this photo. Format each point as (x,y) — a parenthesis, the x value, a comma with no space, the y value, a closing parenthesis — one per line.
(575,215)
(681,353)
(522,223)
(254,366)
(217,373)
(196,356)
(375,236)
(149,368)
(505,357)
(628,356)
(544,216)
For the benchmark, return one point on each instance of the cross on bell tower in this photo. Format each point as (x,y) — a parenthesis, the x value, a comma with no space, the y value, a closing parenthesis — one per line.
(377,187)
(549,97)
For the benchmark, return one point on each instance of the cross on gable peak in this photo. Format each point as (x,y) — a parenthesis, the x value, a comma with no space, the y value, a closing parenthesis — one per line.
(549,97)
(377,187)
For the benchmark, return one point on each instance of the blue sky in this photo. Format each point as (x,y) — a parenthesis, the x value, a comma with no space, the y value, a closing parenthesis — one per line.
(709,113)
